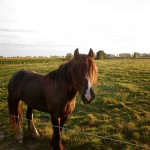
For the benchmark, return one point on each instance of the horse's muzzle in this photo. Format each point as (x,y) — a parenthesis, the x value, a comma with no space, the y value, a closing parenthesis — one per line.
(92,96)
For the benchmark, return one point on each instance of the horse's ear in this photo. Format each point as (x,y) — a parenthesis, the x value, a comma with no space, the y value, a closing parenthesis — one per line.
(76,53)
(91,53)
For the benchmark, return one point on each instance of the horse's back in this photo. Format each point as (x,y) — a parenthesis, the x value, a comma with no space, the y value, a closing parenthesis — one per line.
(18,77)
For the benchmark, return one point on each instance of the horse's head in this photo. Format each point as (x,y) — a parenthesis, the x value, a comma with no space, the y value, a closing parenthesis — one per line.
(85,75)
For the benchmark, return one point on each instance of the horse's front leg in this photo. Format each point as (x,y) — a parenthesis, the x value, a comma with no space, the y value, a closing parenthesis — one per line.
(56,141)
(62,122)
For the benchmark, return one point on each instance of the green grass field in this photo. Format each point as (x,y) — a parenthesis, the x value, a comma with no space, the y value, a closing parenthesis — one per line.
(120,111)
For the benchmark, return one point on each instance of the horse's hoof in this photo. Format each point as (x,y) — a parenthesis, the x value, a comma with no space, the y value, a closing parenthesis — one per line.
(35,136)
(20,141)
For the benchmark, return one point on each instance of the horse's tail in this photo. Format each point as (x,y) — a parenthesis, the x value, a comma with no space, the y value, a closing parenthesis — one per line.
(14,103)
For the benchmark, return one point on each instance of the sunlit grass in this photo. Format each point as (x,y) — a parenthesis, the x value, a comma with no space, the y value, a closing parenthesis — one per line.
(121,109)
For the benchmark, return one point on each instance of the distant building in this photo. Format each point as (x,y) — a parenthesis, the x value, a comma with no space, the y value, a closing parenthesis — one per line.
(125,55)
(145,55)
(110,56)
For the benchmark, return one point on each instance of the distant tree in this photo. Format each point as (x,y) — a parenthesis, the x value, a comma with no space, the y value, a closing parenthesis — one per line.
(69,56)
(136,55)
(100,54)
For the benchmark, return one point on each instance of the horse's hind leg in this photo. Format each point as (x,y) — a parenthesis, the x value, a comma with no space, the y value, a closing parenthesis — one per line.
(16,118)
(31,127)
(19,132)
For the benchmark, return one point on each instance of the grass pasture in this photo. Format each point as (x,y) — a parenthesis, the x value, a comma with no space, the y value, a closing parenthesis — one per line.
(120,111)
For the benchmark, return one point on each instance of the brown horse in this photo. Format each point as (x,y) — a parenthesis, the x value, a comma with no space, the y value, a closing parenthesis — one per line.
(54,93)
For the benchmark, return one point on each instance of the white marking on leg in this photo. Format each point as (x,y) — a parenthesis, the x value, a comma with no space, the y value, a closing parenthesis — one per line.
(33,130)
(88,93)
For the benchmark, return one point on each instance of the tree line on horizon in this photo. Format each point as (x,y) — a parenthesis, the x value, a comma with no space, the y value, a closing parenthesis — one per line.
(99,55)
(102,55)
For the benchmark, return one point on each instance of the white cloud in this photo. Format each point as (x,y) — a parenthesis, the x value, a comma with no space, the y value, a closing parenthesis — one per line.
(114,26)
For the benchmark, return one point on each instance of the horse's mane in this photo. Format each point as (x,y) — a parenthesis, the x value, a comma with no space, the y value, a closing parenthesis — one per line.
(60,73)
(75,70)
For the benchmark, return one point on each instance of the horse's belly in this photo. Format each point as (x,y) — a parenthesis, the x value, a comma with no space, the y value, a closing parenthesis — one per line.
(36,102)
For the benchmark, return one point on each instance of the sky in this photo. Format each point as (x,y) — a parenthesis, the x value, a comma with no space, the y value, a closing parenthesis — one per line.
(58,27)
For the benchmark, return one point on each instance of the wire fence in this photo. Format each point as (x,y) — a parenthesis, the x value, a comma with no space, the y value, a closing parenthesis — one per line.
(92,135)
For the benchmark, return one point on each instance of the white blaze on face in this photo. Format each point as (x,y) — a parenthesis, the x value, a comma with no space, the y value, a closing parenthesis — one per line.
(88,93)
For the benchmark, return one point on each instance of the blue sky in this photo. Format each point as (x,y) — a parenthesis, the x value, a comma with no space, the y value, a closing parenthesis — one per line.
(48,27)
